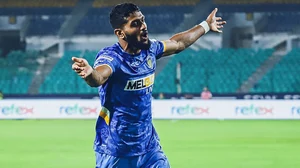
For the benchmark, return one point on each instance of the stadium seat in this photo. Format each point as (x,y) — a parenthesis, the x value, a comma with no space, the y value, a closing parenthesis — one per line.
(103,3)
(282,22)
(36,3)
(223,71)
(36,7)
(284,77)
(69,83)
(17,80)
(97,21)
(45,25)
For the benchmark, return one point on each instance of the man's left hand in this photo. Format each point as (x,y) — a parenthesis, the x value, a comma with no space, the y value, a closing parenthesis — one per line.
(215,23)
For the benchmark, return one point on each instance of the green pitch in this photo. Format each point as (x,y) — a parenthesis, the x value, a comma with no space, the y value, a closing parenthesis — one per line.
(187,143)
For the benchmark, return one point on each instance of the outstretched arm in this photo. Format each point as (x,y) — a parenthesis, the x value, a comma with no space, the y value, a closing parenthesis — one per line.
(181,41)
(93,77)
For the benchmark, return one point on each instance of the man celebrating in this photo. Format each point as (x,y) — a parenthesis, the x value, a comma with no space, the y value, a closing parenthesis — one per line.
(124,74)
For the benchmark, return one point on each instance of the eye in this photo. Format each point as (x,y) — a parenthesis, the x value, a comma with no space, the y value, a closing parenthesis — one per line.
(135,23)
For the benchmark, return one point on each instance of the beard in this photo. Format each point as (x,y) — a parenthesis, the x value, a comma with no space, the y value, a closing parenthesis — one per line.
(132,40)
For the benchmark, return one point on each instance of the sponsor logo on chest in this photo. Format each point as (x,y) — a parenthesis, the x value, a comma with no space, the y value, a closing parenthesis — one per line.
(141,83)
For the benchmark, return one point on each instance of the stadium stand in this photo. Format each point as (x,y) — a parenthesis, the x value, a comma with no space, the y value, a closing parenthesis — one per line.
(99,24)
(17,80)
(94,24)
(231,6)
(170,13)
(45,25)
(104,3)
(36,3)
(282,22)
(35,11)
(255,1)
(284,77)
(97,19)
(36,7)
(223,71)
(69,83)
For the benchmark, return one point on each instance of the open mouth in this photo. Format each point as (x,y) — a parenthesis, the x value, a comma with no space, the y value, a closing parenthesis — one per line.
(144,35)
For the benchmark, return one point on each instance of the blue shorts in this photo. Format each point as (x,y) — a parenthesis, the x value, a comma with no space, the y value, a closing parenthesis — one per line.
(156,159)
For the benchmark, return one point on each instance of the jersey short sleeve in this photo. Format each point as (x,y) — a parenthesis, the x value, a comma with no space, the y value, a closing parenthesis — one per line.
(158,48)
(103,58)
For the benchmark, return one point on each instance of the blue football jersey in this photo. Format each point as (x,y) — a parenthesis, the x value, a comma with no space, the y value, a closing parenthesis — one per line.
(124,126)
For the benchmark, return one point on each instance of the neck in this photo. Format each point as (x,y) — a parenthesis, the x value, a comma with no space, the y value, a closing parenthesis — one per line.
(129,49)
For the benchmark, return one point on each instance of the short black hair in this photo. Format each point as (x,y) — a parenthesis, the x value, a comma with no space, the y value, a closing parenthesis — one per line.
(118,15)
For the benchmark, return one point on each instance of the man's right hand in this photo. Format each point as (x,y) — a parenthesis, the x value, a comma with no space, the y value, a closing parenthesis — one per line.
(81,67)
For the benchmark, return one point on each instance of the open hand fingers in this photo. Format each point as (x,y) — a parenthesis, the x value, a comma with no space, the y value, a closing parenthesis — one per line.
(219,26)
(219,31)
(221,22)
(77,68)
(218,18)
(214,11)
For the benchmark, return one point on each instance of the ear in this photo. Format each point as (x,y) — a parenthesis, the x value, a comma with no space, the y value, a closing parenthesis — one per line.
(119,33)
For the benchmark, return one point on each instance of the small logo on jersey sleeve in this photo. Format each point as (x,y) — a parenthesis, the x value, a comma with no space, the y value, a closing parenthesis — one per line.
(105,57)
(139,84)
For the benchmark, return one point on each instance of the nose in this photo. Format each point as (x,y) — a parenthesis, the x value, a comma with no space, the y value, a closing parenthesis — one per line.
(144,26)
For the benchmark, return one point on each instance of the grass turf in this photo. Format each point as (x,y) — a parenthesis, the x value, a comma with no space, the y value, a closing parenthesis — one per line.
(187,143)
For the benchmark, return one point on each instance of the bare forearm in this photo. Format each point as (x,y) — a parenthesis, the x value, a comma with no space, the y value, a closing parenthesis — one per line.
(181,41)
(95,79)
(187,38)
